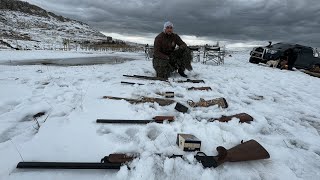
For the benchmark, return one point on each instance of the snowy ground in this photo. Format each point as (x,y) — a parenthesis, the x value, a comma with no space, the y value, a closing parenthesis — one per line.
(285,106)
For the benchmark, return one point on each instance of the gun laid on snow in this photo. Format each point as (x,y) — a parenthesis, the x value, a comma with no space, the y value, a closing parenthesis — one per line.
(191,81)
(161,102)
(132,83)
(157,119)
(200,88)
(246,151)
(146,77)
(243,117)
(221,102)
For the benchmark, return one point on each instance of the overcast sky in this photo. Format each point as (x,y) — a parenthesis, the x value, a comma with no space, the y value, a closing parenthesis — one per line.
(198,21)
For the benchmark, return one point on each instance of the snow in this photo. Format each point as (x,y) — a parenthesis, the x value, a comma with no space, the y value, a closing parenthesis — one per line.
(25,31)
(284,104)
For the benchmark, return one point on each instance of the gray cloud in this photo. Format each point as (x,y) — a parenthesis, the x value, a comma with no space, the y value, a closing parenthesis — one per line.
(294,21)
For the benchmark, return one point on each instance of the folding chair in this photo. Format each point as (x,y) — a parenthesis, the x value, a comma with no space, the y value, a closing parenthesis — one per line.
(195,50)
(213,54)
(148,52)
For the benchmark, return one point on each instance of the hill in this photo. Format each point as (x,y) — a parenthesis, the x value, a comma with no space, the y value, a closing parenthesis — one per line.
(26,26)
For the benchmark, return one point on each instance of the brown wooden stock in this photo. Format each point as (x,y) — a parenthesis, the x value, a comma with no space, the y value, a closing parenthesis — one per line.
(243,117)
(163,118)
(120,158)
(246,151)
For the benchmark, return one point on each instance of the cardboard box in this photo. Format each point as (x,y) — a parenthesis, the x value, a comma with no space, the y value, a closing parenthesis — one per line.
(188,142)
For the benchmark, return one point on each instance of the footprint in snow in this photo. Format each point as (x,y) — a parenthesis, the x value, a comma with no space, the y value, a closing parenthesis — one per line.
(132,132)
(103,130)
(153,132)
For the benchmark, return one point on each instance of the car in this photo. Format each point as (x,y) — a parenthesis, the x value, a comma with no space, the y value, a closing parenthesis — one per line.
(305,58)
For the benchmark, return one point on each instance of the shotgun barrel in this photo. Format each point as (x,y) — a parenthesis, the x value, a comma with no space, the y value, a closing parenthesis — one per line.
(146,77)
(157,119)
(68,165)
(132,83)
(124,121)
(191,81)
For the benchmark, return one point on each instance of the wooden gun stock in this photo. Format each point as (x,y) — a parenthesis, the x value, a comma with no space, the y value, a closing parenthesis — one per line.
(243,118)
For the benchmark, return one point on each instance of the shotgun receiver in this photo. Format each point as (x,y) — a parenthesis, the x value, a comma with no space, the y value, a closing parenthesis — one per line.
(246,151)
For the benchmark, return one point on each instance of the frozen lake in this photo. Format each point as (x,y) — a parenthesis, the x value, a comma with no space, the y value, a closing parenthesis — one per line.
(71,61)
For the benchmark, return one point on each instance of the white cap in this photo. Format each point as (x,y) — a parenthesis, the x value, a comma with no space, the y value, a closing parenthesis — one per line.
(167,24)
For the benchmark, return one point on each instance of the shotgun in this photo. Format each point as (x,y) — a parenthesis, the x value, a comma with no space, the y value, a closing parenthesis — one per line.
(161,102)
(246,151)
(146,77)
(200,88)
(221,102)
(132,83)
(191,81)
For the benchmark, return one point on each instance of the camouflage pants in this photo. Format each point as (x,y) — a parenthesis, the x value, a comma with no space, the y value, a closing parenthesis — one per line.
(179,59)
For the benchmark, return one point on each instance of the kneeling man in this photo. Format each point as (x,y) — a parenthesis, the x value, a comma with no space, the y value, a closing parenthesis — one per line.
(165,58)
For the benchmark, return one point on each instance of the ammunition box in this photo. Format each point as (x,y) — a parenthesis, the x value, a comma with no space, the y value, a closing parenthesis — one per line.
(169,94)
(188,142)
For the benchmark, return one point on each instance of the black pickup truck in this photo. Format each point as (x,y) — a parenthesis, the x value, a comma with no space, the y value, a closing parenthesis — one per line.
(305,58)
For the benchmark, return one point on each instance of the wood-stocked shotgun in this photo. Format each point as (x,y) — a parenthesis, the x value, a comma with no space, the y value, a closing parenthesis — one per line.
(131,83)
(163,79)
(161,102)
(146,77)
(221,102)
(246,151)
(191,81)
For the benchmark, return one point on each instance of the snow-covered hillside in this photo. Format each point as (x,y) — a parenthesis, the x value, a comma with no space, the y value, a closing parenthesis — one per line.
(284,104)
(42,30)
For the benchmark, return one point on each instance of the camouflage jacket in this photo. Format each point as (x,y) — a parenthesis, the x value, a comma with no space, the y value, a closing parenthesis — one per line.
(165,44)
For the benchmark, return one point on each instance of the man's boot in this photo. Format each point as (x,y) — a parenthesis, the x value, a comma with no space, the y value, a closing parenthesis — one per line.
(181,72)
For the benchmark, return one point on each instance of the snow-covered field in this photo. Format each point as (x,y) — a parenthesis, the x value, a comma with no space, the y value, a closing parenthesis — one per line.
(285,106)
